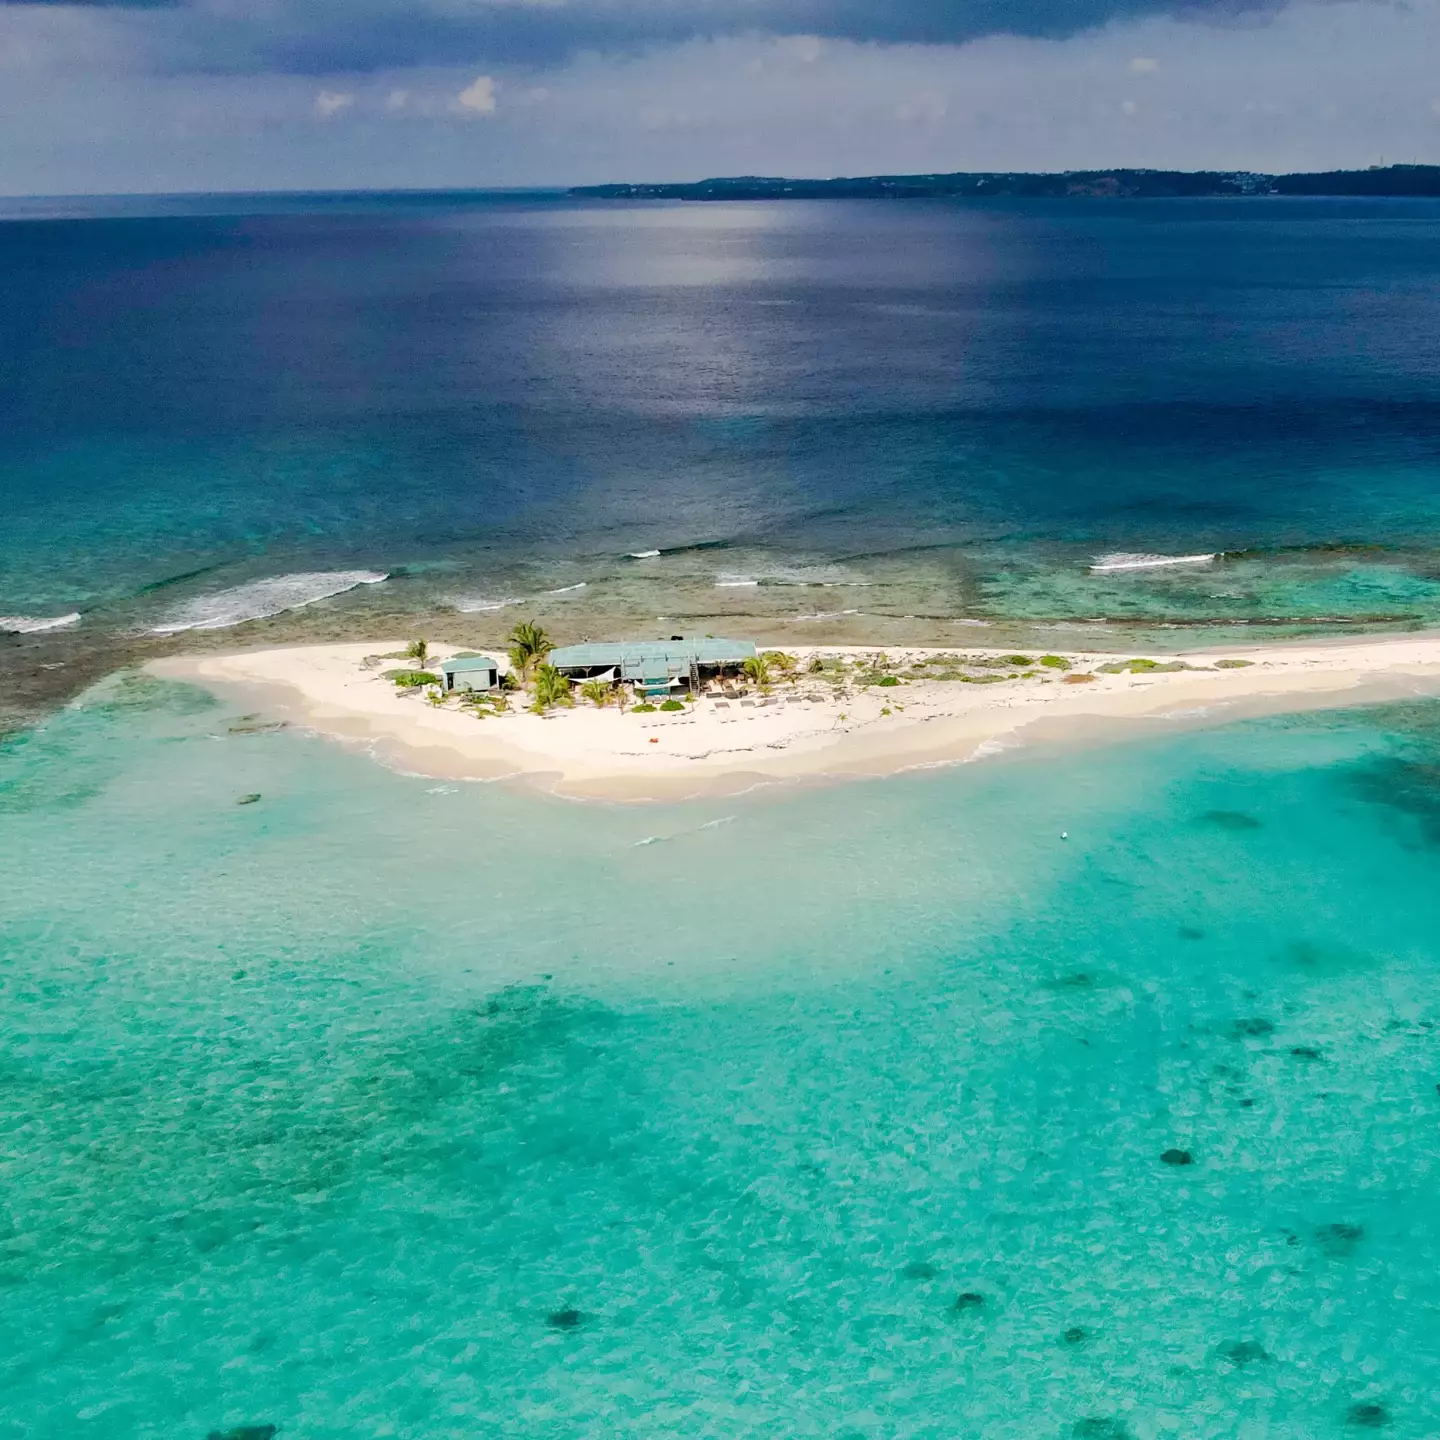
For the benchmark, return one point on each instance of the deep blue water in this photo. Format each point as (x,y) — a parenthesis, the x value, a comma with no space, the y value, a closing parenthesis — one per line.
(935,411)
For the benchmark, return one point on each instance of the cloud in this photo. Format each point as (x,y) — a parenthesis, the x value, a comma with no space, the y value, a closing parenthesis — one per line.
(321,37)
(478,97)
(329,103)
(1144,65)
(110,99)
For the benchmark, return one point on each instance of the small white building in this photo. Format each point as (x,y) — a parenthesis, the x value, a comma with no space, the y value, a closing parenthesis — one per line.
(469,672)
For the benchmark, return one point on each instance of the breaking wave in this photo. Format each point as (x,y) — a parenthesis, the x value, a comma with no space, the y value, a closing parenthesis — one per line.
(262,598)
(1124,560)
(34,625)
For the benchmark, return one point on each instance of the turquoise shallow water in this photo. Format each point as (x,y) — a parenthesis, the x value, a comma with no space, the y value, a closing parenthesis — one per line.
(379,1107)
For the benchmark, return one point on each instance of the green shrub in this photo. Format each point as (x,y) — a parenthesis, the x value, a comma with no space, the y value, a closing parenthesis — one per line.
(411,679)
(1143,666)
(1055,662)
(644,708)
(887,680)
(672,705)
(1018,660)
(1232,664)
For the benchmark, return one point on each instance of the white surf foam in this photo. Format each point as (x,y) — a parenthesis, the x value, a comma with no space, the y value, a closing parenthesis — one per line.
(567,589)
(262,598)
(641,554)
(735,582)
(482,604)
(822,615)
(1124,560)
(986,748)
(35,624)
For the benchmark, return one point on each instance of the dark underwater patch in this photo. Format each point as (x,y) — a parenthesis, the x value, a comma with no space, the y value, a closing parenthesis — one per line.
(1241,1353)
(1408,779)
(1252,1027)
(1236,820)
(1339,1238)
(1100,1427)
(1369,1415)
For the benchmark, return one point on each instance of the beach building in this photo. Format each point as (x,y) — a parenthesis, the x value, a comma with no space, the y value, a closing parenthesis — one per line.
(469,672)
(655,667)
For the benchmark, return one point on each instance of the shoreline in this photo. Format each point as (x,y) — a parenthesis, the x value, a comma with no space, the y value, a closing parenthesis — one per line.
(818,729)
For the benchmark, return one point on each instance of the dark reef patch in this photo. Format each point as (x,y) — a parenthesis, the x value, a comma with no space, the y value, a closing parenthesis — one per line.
(1231,820)
(1368,1415)
(1243,1352)
(1339,1238)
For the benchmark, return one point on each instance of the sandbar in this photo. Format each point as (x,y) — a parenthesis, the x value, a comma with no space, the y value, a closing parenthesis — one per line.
(811,728)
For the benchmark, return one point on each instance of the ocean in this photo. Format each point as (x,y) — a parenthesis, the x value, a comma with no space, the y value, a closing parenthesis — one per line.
(834,421)
(1077,1093)
(386,1107)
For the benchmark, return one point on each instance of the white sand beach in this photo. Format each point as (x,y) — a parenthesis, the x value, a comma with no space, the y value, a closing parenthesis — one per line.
(814,726)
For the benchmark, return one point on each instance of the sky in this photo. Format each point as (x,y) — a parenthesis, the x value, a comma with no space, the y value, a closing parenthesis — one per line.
(186,95)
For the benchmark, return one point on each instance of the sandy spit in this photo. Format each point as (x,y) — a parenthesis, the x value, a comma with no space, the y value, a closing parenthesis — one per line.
(809,731)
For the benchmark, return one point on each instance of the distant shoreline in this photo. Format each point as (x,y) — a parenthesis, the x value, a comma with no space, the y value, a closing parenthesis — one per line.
(1379,181)
(814,728)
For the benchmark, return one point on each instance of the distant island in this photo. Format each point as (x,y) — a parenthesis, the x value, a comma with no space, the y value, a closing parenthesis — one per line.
(1117,184)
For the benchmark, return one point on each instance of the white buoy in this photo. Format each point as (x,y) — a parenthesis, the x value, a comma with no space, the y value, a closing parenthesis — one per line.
(1064,834)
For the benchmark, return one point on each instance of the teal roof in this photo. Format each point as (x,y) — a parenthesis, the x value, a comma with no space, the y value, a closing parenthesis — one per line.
(463,663)
(650,659)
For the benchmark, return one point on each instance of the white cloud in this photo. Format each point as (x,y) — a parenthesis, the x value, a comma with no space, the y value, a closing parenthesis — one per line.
(397,99)
(925,108)
(329,103)
(805,48)
(1343,82)
(478,97)
(1128,107)
(1144,65)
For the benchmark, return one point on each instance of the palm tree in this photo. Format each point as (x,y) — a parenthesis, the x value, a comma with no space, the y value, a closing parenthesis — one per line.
(757,667)
(551,688)
(418,651)
(529,645)
(596,693)
(435,695)
(780,661)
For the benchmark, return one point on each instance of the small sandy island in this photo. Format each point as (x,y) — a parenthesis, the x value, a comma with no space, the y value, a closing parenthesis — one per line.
(843,712)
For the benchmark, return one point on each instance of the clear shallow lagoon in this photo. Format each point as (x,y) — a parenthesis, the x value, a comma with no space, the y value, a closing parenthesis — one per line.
(378,1107)
(895,420)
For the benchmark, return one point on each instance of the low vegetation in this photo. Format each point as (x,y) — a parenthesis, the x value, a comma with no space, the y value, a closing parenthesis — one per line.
(411,679)
(672,705)
(1143,666)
